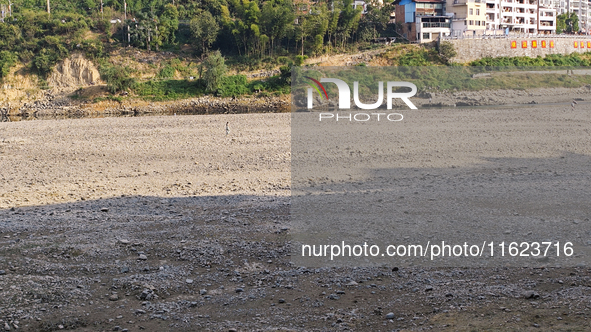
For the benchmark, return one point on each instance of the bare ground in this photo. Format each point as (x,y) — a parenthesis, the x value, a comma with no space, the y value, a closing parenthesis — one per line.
(167,224)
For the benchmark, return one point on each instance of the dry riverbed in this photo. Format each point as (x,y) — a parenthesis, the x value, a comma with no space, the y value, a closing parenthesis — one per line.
(169,224)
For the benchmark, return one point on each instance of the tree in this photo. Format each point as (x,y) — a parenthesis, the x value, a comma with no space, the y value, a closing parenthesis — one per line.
(376,19)
(215,70)
(567,22)
(205,29)
(447,50)
(348,20)
(169,24)
(244,26)
(277,18)
(143,31)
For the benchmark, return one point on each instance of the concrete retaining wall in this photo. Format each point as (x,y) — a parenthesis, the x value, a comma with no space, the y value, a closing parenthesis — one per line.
(474,49)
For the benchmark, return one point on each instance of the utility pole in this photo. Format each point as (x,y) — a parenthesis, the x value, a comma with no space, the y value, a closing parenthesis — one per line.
(102,14)
(125,21)
(48,10)
(149,30)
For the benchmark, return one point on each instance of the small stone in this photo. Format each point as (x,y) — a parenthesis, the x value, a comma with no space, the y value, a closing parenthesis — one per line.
(61,327)
(117,328)
(123,241)
(189,281)
(6,326)
(281,300)
(428,289)
(124,269)
(143,257)
(203,292)
(390,315)
(351,283)
(239,290)
(140,312)
(232,330)
(2,272)
(114,297)
(104,209)
(530,294)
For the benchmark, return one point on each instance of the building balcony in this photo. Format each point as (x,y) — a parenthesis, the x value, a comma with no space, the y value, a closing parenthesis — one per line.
(435,25)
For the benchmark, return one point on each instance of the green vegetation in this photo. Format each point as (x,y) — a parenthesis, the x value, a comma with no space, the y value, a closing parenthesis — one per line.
(118,78)
(551,60)
(447,78)
(224,34)
(7,60)
(205,29)
(567,22)
(40,40)
(215,70)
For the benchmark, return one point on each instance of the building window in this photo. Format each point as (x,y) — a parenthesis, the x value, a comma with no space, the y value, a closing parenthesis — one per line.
(471,11)
(470,22)
(477,11)
(426,35)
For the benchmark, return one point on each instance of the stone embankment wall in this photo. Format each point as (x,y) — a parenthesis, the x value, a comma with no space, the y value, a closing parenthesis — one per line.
(474,49)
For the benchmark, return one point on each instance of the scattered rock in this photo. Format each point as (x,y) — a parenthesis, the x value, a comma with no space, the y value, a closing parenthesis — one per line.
(390,315)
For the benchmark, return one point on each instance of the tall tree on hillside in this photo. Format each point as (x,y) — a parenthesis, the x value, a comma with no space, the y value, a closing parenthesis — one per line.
(316,26)
(333,22)
(348,20)
(205,29)
(244,25)
(143,31)
(169,24)
(277,17)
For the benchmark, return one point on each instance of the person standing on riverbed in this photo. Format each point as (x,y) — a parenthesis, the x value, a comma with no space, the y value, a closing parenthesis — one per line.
(227,128)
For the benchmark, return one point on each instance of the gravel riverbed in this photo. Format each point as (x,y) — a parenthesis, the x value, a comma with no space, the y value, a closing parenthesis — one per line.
(167,223)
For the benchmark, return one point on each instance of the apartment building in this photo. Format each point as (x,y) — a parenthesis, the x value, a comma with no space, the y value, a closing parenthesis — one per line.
(468,16)
(520,16)
(547,20)
(422,20)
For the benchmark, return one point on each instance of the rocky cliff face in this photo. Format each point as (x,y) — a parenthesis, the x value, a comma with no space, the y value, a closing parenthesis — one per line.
(74,72)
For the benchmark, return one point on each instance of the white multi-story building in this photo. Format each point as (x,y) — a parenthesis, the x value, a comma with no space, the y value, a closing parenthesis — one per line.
(520,16)
(547,20)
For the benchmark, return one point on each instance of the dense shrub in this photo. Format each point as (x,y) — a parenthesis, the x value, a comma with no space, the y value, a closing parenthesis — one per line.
(118,78)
